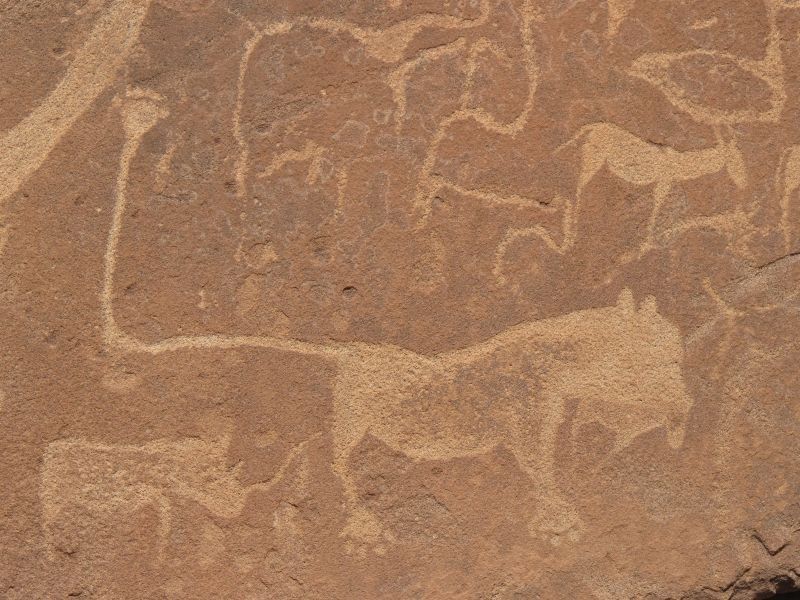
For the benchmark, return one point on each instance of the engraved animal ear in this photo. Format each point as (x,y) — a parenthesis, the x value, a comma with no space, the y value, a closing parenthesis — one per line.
(625,300)
(649,306)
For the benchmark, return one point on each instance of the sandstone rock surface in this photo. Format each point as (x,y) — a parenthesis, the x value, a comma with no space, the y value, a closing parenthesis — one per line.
(479,299)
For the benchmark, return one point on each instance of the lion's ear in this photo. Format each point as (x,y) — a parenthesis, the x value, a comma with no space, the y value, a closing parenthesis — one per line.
(625,300)
(649,306)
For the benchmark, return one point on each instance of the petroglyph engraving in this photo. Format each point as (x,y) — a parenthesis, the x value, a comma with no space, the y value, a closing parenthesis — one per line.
(429,183)
(388,45)
(657,69)
(640,163)
(613,348)
(25,147)
(643,163)
(787,182)
(114,481)
(527,273)
(608,347)
(621,364)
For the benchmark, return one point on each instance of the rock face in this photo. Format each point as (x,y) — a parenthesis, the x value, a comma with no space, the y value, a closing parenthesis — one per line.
(480,299)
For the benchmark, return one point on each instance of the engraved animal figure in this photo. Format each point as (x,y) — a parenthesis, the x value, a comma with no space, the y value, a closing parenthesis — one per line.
(788,182)
(621,365)
(25,147)
(658,70)
(114,481)
(428,182)
(643,163)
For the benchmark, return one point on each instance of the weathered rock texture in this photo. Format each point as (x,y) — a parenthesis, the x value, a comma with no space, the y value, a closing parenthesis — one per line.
(404,299)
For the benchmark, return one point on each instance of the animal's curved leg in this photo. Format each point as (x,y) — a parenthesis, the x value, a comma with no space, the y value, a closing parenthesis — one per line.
(789,172)
(660,194)
(348,431)
(164,524)
(555,517)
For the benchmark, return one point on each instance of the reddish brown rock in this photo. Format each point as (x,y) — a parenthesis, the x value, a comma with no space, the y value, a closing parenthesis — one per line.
(402,299)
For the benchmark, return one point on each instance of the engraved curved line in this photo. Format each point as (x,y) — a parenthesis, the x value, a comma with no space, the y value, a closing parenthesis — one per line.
(387,45)
(617,12)
(311,152)
(511,236)
(427,184)
(654,68)
(398,78)
(240,168)
(787,182)
(25,147)
(493,198)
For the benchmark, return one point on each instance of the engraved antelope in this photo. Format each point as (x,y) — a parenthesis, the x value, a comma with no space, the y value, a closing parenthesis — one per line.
(643,163)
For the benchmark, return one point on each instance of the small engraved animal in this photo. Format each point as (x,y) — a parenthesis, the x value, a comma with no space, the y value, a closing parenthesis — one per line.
(113,481)
(643,163)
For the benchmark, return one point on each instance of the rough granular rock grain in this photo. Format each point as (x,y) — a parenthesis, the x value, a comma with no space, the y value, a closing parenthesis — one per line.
(400,299)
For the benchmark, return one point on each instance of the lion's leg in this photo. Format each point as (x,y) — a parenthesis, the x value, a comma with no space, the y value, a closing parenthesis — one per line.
(348,431)
(555,516)
(164,523)
(660,194)
(592,160)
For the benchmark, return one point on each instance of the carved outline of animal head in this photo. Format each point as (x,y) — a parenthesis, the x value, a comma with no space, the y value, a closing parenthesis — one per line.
(678,406)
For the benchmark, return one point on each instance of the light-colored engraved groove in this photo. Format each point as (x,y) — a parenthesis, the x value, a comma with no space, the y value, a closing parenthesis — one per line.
(112,481)
(643,163)
(25,147)
(428,184)
(617,12)
(655,68)
(787,184)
